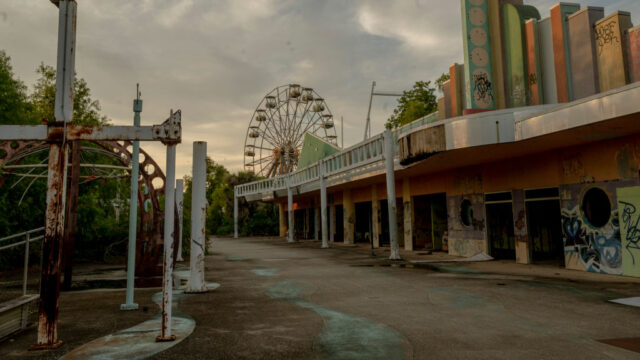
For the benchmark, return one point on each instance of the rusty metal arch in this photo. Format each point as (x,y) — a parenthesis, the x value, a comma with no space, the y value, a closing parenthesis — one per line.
(150,233)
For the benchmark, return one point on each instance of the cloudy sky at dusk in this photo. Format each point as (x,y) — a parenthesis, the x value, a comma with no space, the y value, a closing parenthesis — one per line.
(216,59)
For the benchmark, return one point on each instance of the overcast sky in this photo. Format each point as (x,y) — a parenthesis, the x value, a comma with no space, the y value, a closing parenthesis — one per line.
(216,59)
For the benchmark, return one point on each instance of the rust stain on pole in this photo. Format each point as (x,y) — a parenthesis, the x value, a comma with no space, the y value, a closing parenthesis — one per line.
(52,250)
(72,215)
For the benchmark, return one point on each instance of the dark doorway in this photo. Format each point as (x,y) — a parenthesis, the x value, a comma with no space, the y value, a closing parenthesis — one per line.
(430,221)
(298,224)
(363,222)
(311,226)
(500,232)
(339,235)
(384,219)
(545,231)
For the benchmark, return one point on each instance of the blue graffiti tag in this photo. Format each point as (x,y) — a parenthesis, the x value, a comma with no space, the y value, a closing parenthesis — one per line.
(631,226)
(598,249)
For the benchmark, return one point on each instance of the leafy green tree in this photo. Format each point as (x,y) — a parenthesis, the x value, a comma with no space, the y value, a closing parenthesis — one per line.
(15,108)
(440,82)
(86,111)
(414,104)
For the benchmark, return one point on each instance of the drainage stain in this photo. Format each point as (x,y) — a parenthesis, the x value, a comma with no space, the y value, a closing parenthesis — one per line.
(344,336)
(236,258)
(265,272)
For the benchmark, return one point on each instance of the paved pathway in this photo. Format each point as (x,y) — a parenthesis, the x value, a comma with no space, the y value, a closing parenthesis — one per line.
(284,301)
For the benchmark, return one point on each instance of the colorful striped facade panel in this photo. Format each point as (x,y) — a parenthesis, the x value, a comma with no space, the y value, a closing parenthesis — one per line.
(514,18)
(547,62)
(610,34)
(562,57)
(634,53)
(498,66)
(534,72)
(479,92)
(582,45)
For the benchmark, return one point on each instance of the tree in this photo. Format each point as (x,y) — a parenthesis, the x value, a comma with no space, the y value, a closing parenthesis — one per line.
(86,111)
(440,82)
(414,104)
(15,108)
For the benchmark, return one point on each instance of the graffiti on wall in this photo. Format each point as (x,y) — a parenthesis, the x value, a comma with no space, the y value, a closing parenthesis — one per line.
(597,250)
(629,206)
(606,35)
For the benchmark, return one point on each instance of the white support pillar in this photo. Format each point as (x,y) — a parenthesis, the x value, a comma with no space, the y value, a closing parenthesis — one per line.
(167,276)
(323,208)
(391,195)
(290,208)
(198,215)
(180,205)
(235,213)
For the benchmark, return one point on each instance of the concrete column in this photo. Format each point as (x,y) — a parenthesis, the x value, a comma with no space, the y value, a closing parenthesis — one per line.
(167,276)
(283,220)
(407,203)
(391,195)
(290,209)
(235,214)
(198,216)
(332,223)
(559,14)
(613,63)
(179,205)
(349,217)
(376,225)
(323,209)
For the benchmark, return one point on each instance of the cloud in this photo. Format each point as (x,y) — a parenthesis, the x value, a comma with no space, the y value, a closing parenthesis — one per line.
(216,59)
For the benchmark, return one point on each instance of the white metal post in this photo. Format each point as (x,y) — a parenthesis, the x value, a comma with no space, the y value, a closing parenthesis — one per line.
(235,213)
(290,208)
(167,278)
(391,195)
(180,205)
(133,210)
(198,216)
(323,208)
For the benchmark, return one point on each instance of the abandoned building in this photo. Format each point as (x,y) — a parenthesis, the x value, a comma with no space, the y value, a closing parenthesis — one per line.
(533,154)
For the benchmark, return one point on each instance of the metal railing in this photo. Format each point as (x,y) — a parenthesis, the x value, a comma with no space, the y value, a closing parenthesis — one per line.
(359,155)
(28,238)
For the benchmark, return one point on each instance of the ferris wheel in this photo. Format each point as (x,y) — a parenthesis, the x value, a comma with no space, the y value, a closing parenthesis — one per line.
(278,126)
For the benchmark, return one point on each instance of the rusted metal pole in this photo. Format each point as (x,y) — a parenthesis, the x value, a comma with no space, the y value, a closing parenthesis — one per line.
(391,196)
(180,206)
(52,250)
(57,182)
(167,276)
(71,218)
(198,216)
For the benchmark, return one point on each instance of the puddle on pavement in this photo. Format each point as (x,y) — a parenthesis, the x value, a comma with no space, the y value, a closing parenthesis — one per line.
(344,336)
(432,267)
(236,258)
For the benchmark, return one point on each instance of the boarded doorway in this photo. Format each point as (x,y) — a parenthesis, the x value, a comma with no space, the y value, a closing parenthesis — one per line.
(544,225)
